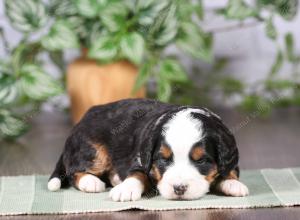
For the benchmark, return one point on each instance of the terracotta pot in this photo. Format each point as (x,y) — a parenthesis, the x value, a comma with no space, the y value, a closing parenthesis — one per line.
(90,83)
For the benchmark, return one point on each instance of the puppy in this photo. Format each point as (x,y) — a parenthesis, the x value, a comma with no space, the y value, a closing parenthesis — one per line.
(135,145)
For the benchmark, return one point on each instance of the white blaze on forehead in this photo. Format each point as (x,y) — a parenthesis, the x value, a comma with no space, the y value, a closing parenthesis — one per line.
(182,132)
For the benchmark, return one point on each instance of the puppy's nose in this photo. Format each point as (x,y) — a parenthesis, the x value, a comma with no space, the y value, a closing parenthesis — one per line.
(180,189)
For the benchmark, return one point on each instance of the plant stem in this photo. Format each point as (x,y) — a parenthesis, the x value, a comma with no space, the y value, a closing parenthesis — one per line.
(234,27)
(16,58)
(4,41)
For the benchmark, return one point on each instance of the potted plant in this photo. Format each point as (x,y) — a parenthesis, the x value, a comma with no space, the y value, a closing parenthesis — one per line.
(124,45)
(121,38)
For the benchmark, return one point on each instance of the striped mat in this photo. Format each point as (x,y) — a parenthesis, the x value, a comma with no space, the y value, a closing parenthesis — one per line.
(29,195)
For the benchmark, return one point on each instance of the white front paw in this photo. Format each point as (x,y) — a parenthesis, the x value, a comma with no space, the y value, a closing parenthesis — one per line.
(130,189)
(233,187)
(91,183)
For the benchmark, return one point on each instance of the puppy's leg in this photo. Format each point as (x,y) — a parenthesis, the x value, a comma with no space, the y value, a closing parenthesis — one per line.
(231,186)
(131,188)
(85,167)
(88,183)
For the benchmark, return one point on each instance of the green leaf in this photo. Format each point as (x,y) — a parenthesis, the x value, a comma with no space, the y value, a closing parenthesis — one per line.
(79,26)
(8,89)
(10,125)
(296,100)
(186,11)
(279,84)
(143,76)
(26,15)
(36,84)
(287,8)
(171,70)
(164,90)
(87,8)
(143,4)
(284,102)
(261,3)
(195,42)
(238,9)
(198,7)
(133,47)
(4,68)
(163,28)
(166,29)
(59,8)
(289,45)
(277,64)
(95,32)
(103,49)
(131,5)
(149,10)
(231,85)
(58,59)
(270,29)
(61,36)
(113,16)
(256,105)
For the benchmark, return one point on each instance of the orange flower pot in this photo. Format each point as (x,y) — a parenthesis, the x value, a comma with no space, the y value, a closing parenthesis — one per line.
(90,83)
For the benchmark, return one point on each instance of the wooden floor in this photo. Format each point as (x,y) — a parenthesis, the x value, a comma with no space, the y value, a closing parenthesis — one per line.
(263,143)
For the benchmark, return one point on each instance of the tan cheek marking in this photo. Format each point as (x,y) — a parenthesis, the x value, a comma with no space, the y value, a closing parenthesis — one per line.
(155,173)
(197,153)
(141,177)
(102,161)
(165,151)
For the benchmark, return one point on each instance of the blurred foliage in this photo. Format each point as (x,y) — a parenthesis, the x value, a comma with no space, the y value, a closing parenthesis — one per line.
(137,30)
(23,87)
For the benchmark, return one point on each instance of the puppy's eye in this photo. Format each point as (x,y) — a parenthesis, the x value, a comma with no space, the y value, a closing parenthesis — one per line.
(200,161)
(167,159)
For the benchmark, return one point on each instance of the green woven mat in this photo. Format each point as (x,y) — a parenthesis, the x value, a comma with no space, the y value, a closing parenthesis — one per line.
(29,195)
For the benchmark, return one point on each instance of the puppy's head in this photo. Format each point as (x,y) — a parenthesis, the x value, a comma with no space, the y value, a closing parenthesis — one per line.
(195,147)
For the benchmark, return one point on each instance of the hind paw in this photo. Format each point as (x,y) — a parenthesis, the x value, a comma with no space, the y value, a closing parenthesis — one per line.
(54,184)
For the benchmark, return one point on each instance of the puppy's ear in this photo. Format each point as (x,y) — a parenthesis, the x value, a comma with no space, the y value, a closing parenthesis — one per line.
(145,145)
(226,151)
(222,142)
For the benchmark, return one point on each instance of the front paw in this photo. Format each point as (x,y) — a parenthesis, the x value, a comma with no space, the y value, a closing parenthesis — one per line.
(91,184)
(130,189)
(233,187)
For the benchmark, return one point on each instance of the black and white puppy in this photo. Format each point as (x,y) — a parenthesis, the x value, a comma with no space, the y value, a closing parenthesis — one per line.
(138,144)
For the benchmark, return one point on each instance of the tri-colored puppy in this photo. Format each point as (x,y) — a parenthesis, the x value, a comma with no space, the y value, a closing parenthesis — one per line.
(138,144)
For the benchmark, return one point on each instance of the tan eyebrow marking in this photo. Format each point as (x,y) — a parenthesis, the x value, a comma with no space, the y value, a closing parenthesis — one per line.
(197,153)
(165,151)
